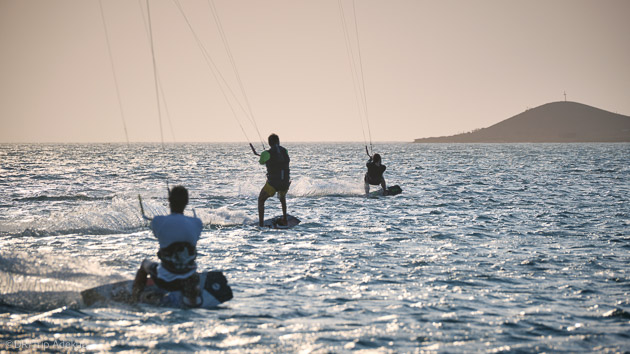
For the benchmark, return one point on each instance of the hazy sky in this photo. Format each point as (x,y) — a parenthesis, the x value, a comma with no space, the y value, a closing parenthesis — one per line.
(430,68)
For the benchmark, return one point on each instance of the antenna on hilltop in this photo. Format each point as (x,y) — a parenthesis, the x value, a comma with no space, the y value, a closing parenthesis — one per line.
(565,96)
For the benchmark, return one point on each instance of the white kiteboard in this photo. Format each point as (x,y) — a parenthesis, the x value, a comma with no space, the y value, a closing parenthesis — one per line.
(214,292)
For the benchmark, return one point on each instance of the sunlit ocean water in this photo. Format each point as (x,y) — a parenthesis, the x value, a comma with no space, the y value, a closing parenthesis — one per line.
(490,248)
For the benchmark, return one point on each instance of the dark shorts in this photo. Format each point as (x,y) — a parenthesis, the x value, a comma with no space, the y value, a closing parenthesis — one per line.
(373,182)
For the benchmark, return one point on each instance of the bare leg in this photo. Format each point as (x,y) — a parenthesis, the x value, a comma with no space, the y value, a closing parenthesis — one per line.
(139,282)
(261,206)
(283,201)
(138,285)
(384,186)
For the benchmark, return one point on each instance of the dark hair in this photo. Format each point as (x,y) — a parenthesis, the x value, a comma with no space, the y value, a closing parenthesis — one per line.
(376,158)
(273,140)
(178,199)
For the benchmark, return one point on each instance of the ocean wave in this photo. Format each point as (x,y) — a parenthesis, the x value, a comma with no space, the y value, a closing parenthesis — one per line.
(311,187)
(43,232)
(121,215)
(308,187)
(55,198)
(617,313)
(40,281)
(224,216)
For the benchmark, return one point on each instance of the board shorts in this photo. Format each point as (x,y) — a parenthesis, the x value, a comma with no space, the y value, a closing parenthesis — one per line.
(187,286)
(270,190)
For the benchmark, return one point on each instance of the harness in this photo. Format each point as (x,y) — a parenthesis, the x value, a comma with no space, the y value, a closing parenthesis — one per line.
(278,165)
(178,258)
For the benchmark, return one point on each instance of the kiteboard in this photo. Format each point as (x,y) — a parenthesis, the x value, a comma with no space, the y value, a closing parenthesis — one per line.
(274,223)
(214,292)
(391,190)
(394,190)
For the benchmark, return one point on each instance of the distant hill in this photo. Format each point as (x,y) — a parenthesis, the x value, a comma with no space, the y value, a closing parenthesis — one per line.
(557,122)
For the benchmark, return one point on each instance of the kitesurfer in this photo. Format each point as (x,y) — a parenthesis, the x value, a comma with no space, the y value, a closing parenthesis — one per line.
(177,235)
(277,161)
(374,174)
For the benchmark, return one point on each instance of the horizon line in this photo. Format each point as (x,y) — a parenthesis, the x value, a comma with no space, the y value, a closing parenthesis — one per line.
(196,142)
